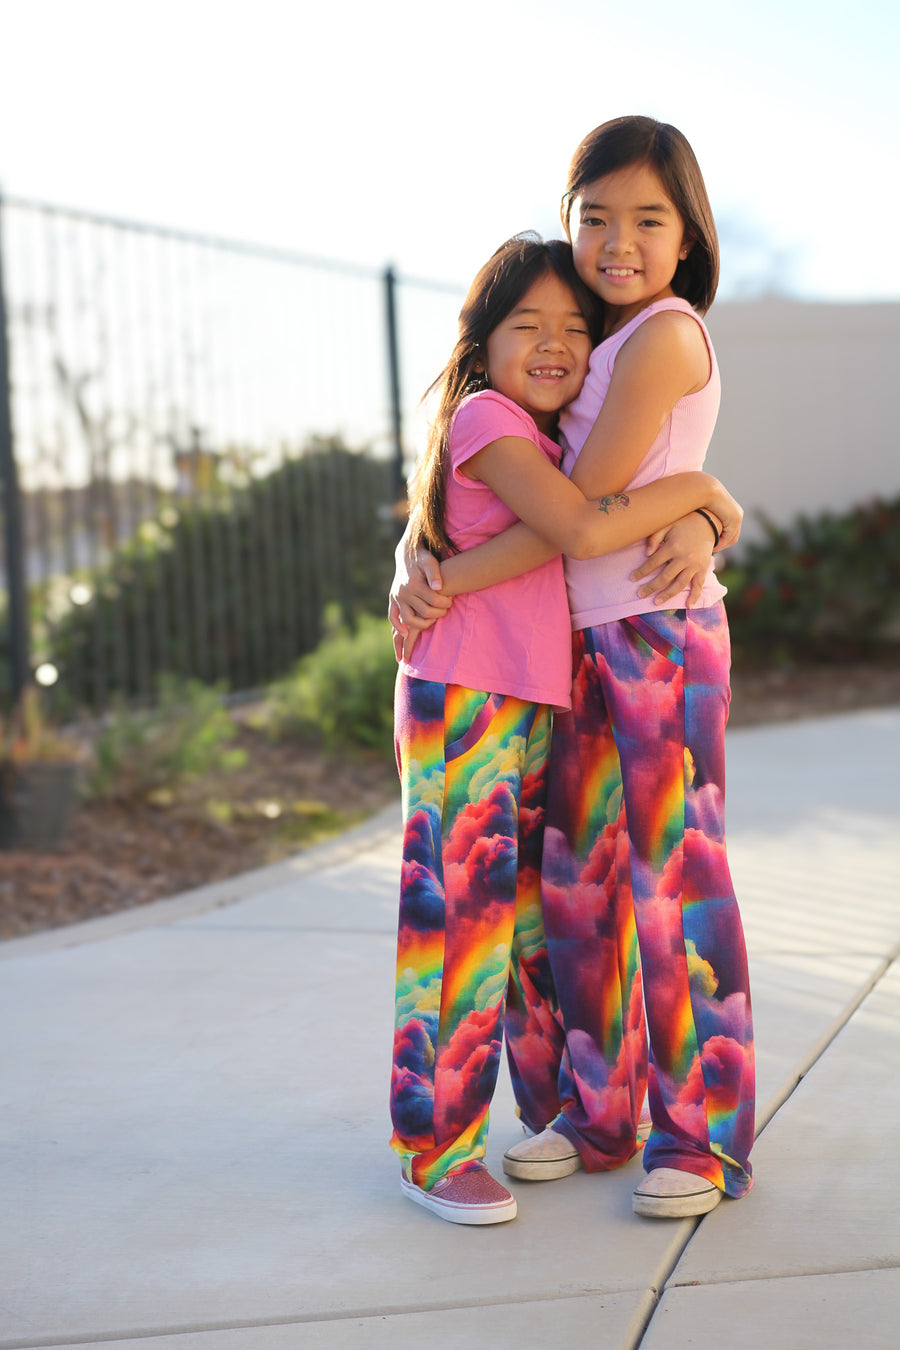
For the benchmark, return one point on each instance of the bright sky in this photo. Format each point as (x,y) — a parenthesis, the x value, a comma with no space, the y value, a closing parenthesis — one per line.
(425,133)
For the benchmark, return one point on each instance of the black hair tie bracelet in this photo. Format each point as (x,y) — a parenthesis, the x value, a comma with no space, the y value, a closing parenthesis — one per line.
(707,516)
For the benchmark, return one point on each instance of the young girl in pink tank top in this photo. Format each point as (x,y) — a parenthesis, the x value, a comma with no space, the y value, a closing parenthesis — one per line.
(641,939)
(473,705)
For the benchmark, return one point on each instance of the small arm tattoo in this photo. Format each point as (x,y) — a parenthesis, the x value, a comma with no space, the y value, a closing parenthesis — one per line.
(616,502)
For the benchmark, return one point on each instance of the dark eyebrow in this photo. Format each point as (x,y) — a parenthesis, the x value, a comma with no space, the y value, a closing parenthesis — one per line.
(658,209)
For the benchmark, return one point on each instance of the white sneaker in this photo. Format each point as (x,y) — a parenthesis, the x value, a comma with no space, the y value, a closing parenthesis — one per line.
(668,1193)
(549,1155)
(543,1157)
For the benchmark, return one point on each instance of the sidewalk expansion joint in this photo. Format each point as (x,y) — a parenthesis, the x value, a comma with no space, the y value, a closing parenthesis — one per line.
(793,1081)
(125,1334)
(684,1230)
(646,1311)
(767,1276)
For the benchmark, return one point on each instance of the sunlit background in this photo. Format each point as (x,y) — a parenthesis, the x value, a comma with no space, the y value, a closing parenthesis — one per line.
(171,381)
(201,469)
(425,133)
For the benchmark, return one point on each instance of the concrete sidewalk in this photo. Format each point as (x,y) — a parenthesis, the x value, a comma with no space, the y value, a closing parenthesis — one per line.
(194,1107)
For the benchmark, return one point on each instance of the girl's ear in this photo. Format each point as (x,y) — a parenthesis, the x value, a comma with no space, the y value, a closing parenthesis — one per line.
(480,369)
(478,366)
(687,244)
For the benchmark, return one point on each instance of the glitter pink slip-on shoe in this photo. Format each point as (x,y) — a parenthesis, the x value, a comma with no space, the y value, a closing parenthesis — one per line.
(464,1197)
(668,1193)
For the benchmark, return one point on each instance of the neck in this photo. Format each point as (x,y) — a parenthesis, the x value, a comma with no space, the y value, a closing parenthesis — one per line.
(618,322)
(625,313)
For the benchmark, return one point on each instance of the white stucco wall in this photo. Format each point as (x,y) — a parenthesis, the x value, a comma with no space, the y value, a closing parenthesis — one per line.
(810,405)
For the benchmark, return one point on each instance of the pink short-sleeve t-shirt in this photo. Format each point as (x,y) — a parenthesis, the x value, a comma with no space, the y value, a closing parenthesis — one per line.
(512,638)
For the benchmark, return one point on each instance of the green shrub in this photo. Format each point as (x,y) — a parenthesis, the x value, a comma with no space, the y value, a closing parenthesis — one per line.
(235,588)
(825,588)
(185,735)
(342,693)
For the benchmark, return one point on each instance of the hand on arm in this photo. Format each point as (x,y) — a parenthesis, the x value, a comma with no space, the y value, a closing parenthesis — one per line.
(416,597)
(678,559)
(423,588)
(728,513)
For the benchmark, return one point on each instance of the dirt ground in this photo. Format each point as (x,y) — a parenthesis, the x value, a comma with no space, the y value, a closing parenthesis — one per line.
(118,856)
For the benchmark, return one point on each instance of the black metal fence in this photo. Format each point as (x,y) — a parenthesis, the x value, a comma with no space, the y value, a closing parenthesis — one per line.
(203,445)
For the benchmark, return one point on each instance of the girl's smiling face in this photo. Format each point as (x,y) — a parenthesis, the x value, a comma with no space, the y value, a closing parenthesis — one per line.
(628,238)
(538,355)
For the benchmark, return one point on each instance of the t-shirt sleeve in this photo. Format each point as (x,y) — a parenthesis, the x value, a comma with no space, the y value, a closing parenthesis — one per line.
(482,419)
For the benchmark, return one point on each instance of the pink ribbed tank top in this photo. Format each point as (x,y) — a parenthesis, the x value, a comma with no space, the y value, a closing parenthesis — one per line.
(599,588)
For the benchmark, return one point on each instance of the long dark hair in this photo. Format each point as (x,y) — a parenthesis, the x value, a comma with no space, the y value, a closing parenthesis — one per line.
(627,141)
(496,291)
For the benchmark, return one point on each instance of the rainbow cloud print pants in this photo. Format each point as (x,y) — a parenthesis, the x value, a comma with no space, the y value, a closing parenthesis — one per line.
(639,912)
(473,769)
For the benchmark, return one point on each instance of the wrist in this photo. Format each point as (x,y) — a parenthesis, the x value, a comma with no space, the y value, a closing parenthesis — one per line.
(449,568)
(714,525)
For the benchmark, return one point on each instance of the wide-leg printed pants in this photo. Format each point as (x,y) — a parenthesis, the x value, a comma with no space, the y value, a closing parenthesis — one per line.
(639,912)
(473,771)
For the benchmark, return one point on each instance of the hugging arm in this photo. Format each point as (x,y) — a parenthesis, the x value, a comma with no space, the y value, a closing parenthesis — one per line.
(678,558)
(560,518)
(663,361)
(560,513)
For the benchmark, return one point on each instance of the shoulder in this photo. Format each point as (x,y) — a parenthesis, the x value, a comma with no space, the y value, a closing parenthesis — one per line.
(670,337)
(488,410)
(485,417)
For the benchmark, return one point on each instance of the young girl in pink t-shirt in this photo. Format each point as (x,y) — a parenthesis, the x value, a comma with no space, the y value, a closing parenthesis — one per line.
(643,934)
(474,700)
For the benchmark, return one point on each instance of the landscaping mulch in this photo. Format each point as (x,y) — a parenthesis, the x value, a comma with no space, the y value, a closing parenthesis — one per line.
(119,855)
